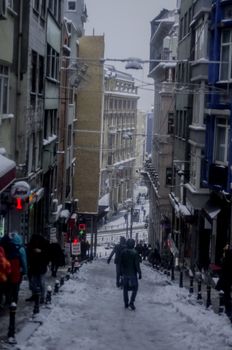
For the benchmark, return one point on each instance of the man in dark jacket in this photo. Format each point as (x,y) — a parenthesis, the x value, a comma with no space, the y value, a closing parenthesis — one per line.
(225,279)
(117,252)
(38,260)
(130,271)
(56,256)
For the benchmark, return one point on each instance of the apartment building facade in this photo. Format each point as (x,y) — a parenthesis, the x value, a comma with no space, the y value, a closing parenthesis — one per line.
(158,169)
(119,139)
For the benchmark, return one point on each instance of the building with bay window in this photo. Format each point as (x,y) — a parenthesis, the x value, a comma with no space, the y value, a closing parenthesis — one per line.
(119,138)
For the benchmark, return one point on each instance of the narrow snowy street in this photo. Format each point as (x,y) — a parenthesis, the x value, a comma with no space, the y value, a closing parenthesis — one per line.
(89,314)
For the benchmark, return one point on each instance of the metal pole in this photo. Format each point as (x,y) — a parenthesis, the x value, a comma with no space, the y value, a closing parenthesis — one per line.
(11,329)
(181,279)
(221,302)
(208,300)
(199,296)
(191,285)
(131,222)
(127,224)
(91,241)
(95,240)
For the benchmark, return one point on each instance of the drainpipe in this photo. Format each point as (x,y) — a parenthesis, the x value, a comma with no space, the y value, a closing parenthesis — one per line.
(18,90)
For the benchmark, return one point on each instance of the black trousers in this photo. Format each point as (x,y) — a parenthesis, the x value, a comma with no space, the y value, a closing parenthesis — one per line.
(117,275)
(130,283)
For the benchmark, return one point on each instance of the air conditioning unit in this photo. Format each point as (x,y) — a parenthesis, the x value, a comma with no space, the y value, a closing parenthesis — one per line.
(54,205)
(3,6)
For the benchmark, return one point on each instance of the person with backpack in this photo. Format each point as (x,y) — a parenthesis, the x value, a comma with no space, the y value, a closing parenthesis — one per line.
(12,244)
(117,250)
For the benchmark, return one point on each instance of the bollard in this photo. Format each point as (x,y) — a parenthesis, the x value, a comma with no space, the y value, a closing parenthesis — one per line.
(181,279)
(67,276)
(48,299)
(100,255)
(208,300)
(72,266)
(221,302)
(199,296)
(62,281)
(57,286)
(36,305)
(191,285)
(11,329)
(173,273)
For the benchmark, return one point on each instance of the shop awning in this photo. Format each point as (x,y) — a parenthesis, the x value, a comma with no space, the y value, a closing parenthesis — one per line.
(211,209)
(104,201)
(7,172)
(180,209)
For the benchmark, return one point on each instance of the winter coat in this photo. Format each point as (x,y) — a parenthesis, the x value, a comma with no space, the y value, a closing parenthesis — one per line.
(16,254)
(225,278)
(130,263)
(5,267)
(38,255)
(56,254)
(117,250)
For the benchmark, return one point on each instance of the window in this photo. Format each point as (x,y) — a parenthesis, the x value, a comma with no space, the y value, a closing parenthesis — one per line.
(168,176)
(4,87)
(226,54)
(199,42)
(50,123)
(43,8)
(33,71)
(36,5)
(71,5)
(11,4)
(54,7)
(52,63)
(41,74)
(170,123)
(221,143)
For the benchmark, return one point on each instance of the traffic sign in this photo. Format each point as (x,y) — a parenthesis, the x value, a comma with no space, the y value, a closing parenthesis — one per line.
(76,248)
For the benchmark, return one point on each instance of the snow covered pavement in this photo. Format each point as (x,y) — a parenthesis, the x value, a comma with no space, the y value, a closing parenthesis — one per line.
(89,314)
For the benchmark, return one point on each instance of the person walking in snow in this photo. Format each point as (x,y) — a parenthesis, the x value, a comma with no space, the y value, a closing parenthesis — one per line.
(38,260)
(12,244)
(5,270)
(56,256)
(225,279)
(130,271)
(117,250)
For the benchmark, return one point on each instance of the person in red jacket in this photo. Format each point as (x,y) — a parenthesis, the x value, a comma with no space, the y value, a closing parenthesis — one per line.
(5,270)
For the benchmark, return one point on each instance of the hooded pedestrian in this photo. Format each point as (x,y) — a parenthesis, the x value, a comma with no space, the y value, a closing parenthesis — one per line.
(116,252)
(56,256)
(130,272)
(38,260)
(12,244)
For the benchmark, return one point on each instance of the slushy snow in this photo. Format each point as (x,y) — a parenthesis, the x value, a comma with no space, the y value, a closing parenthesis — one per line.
(89,314)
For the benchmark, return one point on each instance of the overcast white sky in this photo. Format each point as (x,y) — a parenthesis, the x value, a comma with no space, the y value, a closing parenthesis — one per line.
(126,27)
